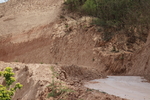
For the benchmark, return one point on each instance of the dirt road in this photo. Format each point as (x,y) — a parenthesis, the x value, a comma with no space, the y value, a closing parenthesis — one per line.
(129,87)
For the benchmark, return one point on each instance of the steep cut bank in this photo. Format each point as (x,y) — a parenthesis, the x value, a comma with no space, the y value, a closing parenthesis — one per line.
(141,61)
(65,42)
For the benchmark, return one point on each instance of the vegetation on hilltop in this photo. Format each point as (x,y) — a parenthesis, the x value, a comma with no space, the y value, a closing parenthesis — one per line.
(133,16)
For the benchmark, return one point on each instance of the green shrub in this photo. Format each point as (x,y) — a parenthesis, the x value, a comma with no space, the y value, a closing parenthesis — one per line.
(6,92)
(90,7)
(57,90)
(116,12)
(74,4)
(127,15)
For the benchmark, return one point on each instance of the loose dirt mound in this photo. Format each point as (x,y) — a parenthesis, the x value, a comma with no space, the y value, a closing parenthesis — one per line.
(76,75)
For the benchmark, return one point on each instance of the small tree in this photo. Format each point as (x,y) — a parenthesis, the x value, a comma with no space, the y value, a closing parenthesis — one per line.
(6,92)
(57,90)
(90,7)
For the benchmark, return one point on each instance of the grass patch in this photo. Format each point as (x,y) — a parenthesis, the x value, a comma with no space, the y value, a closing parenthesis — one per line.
(58,91)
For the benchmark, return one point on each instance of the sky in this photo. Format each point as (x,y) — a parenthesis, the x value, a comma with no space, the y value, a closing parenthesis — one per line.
(1,1)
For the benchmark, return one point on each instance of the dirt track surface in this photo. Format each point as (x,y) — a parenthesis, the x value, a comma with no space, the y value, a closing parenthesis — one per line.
(129,87)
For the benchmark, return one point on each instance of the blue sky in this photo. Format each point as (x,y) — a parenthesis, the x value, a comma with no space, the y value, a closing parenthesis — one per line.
(1,1)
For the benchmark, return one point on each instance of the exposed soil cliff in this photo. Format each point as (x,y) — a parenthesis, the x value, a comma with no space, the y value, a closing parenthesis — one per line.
(71,44)
(141,61)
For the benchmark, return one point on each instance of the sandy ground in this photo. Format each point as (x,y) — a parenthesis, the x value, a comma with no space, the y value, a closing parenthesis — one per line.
(25,15)
(129,87)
